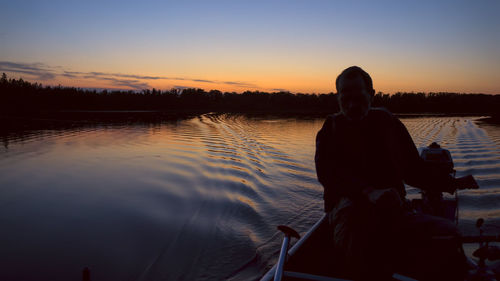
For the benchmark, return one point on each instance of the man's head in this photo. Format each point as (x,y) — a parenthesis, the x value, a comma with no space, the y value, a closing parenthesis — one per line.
(355,92)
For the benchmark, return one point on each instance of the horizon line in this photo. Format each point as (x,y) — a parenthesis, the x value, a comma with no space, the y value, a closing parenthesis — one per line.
(277,90)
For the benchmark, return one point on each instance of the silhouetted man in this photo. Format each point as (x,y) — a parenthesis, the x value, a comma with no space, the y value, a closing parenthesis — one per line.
(363,158)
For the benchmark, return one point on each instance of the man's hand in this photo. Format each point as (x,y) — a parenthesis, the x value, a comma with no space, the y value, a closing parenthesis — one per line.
(383,197)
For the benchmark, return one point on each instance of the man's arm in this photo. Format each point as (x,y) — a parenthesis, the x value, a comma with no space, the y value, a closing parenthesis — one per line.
(414,170)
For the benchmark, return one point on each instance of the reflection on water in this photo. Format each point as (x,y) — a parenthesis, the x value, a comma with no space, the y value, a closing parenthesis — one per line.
(191,198)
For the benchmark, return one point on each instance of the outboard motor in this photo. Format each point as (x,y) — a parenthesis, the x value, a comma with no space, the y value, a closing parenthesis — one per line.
(432,201)
(439,158)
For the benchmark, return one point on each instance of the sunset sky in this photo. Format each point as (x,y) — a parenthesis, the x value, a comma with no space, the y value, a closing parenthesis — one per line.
(299,46)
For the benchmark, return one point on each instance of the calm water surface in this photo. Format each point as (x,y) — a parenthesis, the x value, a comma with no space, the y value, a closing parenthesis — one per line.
(191,199)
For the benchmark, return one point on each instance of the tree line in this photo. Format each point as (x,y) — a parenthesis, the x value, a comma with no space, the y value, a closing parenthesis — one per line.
(19,96)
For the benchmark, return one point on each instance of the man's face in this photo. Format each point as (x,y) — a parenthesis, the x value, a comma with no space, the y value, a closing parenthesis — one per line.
(354,98)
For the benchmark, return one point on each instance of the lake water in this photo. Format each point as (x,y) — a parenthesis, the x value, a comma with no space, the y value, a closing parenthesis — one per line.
(188,199)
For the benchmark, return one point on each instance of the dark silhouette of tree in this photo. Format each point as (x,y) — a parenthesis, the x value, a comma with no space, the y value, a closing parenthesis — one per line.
(22,97)
(3,80)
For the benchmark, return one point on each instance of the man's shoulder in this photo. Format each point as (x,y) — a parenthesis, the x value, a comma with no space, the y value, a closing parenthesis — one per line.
(380,114)
(333,118)
(330,125)
(380,111)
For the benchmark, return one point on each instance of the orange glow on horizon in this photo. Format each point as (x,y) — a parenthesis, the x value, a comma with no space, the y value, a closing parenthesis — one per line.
(272,80)
(272,84)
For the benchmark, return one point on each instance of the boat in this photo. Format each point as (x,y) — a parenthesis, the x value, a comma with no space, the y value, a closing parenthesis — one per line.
(313,257)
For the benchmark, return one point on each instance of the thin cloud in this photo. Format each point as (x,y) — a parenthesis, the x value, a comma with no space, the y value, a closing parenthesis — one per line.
(39,70)
(203,81)
(134,84)
(240,84)
(140,76)
(69,75)
(99,74)
(45,72)
(279,90)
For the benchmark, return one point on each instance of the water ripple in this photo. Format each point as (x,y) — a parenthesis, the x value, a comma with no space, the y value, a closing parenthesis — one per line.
(196,199)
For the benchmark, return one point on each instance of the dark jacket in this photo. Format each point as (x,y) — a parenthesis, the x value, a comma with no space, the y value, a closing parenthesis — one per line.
(376,152)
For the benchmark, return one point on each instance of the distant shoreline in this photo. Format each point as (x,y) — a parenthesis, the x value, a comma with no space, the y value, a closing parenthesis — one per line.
(168,114)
